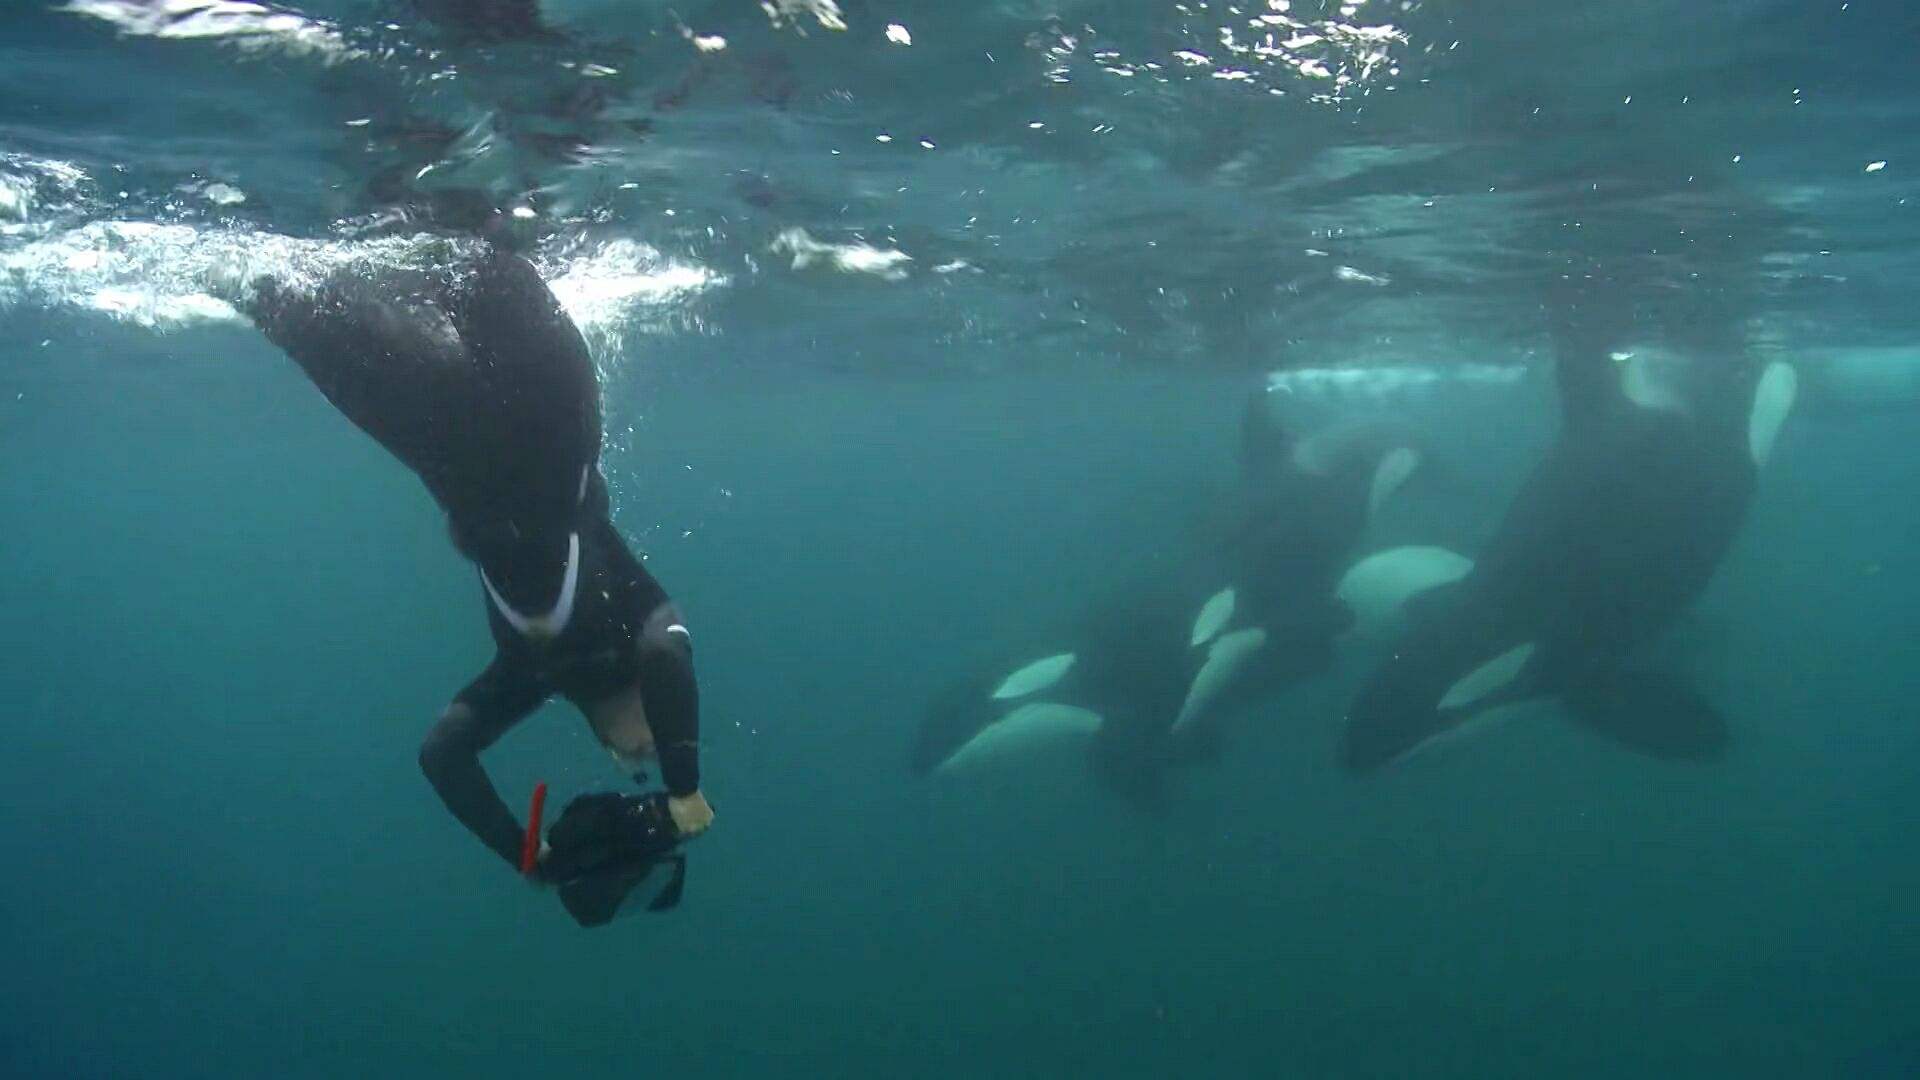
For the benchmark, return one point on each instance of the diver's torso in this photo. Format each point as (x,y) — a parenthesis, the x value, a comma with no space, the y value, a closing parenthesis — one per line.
(595,653)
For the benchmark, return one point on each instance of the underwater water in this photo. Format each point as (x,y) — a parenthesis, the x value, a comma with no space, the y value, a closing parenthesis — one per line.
(919,325)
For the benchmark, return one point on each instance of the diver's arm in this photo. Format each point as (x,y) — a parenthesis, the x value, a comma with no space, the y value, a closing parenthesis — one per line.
(672,698)
(501,697)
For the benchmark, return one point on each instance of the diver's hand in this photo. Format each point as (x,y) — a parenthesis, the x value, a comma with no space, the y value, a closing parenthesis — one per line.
(537,877)
(691,814)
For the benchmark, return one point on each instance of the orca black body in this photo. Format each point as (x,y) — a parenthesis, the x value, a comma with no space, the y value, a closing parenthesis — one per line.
(1266,567)
(1617,531)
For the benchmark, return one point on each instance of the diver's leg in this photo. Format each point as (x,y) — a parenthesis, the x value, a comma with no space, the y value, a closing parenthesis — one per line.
(379,348)
(671,696)
(492,704)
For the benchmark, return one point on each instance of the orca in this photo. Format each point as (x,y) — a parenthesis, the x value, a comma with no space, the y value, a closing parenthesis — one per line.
(1616,532)
(1140,675)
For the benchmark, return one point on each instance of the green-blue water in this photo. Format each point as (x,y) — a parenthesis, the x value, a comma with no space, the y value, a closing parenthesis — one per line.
(229,618)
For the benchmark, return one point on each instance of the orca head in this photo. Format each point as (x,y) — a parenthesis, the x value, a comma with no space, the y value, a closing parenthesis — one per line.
(1266,444)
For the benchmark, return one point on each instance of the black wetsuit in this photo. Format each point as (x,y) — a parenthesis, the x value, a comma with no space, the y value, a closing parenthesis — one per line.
(474,377)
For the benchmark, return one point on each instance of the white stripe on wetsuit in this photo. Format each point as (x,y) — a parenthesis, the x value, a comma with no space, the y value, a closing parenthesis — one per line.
(555,621)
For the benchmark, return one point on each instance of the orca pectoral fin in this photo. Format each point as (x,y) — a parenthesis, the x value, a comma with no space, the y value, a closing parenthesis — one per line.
(1655,713)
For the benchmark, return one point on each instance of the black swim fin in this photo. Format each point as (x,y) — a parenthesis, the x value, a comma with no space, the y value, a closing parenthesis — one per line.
(595,899)
(599,898)
(605,846)
(1652,712)
(669,897)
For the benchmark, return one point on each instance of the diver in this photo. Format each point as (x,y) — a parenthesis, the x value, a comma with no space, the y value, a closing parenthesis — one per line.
(473,377)
(1248,611)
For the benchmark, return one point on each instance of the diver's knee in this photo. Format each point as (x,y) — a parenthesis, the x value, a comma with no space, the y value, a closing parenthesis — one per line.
(447,742)
(433,756)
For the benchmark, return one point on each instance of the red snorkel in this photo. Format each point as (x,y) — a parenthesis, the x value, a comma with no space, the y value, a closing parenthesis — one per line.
(530,849)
